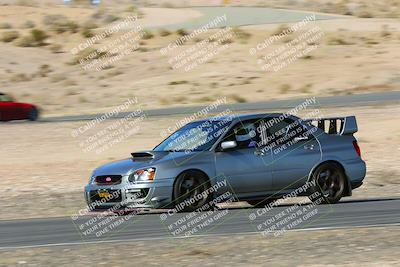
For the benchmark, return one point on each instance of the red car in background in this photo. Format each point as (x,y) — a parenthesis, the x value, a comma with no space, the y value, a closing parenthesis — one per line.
(11,110)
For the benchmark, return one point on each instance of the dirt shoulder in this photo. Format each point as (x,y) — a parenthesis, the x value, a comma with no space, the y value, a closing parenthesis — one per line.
(371,247)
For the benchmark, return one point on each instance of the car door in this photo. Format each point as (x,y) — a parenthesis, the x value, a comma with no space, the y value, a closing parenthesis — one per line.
(3,110)
(19,112)
(6,108)
(246,167)
(295,152)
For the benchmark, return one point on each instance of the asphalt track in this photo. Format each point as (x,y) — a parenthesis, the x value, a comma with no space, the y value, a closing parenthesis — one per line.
(392,97)
(244,16)
(64,231)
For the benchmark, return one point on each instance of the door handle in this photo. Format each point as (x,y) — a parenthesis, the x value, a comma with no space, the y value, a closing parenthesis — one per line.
(309,147)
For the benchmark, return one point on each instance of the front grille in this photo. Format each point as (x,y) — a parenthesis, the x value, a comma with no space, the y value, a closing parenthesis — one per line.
(108,179)
(115,196)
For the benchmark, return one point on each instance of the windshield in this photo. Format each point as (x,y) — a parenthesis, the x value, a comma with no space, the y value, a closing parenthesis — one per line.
(195,136)
(5,98)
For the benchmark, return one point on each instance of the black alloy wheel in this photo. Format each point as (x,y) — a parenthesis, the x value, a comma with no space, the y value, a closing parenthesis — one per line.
(188,191)
(330,184)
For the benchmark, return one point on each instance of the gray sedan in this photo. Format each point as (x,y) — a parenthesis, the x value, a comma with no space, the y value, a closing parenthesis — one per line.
(256,158)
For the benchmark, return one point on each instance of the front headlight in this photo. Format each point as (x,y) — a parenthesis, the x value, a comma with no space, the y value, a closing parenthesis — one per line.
(91,179)
(143,175)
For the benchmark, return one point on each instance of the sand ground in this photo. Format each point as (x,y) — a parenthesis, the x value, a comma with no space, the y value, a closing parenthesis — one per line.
(354,55)
(347,247)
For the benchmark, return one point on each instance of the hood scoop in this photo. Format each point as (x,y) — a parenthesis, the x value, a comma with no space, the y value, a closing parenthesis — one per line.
(142,156)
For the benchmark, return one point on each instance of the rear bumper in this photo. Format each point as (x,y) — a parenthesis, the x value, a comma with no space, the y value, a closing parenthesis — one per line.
(355,185)
(355,171)
(155,194)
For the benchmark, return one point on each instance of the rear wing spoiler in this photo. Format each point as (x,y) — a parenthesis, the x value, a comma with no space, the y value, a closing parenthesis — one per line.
(336,125)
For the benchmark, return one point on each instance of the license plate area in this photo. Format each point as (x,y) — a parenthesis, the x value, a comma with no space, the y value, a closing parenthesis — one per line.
(106,195)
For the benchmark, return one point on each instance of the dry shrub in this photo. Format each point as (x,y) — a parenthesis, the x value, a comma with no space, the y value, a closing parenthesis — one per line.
(29,3)
(5,25)
(20,77)
(36,38)
(9,36)
(25,41)
(238,98)
(241,34)
(111,18)
(178,82)
(39,36)
(285,88)
(147,35)
(44,70)
(60,24)
(57,78)
(89,24)
(182,32)
(164,32)
(87,33)
(28,24)
(337,40)
(87,54)
(226,41)
(281,29)
(132,9)
(56,48)
(365,14)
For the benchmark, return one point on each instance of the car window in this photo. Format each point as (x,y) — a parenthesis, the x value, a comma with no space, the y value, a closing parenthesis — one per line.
(5,98)
(284,131)
(195,136)
(245,133)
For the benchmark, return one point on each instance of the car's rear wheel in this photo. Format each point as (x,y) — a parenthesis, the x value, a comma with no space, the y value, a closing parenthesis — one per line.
(330,184)
(190,191)
(33,114)
(261,203)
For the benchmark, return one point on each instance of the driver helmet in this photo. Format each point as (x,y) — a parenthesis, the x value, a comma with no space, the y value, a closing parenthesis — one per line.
(245,132)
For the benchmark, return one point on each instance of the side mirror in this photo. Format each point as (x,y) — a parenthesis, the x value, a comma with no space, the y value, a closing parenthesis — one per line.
(228,145)
(300,139)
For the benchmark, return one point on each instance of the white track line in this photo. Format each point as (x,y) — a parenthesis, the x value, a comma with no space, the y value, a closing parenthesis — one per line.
(194,236)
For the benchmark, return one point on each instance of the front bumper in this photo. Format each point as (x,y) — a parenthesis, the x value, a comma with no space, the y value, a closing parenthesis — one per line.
(156,194)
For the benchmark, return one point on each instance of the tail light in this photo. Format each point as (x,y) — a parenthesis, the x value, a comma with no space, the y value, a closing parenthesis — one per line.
(357,148)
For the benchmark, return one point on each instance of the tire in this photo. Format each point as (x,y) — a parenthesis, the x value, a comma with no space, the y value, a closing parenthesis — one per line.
(33,114)
(261,203)
(330,184)
(188,185)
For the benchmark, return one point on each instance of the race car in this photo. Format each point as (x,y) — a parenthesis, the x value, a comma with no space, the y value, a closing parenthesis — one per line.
(257,158)
(12,110)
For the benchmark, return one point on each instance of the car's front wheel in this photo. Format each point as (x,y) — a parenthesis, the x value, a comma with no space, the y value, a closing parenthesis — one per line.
(329,184)
(33,114)
(190,191)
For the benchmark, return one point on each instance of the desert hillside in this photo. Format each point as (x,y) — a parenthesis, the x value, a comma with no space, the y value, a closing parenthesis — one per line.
(355,54)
